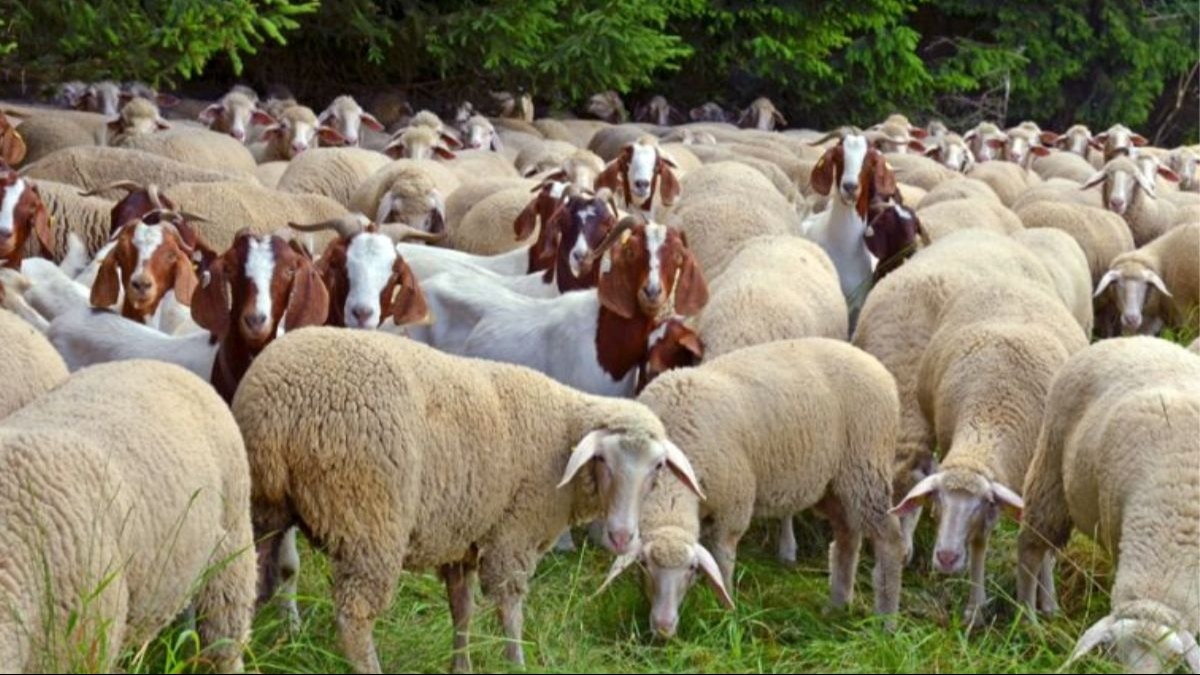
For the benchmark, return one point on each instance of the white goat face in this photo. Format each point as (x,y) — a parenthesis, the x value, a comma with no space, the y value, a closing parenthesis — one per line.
(641,171)
(370,258)
(854,153)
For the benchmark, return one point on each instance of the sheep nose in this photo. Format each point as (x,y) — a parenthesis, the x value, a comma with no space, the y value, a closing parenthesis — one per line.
(947,559)
(641,185)
(362,315)
(238,134)
(664,626)
(352,140)
(1132,321)
(299,147)
(1117,204)
(619,540)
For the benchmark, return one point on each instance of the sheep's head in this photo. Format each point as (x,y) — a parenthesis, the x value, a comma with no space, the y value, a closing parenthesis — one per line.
(480,134)
(659,111)
(639,171)
(673,560)
(762,115)
(1121,179)
(419,142)
(347,117)
(859,171)
(1022,145)
(298,130)
(1117,139)
(951,151)
(1152,168)
(968,508)
(12,146)
(464,112)
(1181,160)
(22,214)
(101,97)
(581,169)
(608,106)
(936,129)
(892,138)
(139,117)
(986,140)
(1132,278)
(708,112)
(624,465)
(1141,645)
(152,254)
(1076,140)
(234,114)
(414,200)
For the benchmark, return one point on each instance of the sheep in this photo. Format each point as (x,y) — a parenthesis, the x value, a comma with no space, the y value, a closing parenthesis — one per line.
(1008,180)
(1067,265)
(345,116)
(545,157)
(1058,190)
(709,111)
(296,129)
(831,451)
(893,138)
(487,227)
(762,115)
(920,171)
(1023,145)
(467,196)
(608,106)
(331,172)
(139,117)
(229,207)
(234,115)
(420,180)
(268,174)
(685,160)
(97,166)
(470,165)
(716,225)
(1076,140)
(156,513)
(419,142)
(796,169)
(952,152)
(200,148)
(1064,165)
(660,111)
(102,97)
(518,443)
(1128,193)
(30,366)
(45,134)
(901,314)
(982,384)
(963,188)
(985,141)
(583,131)
(88,217)
(1171,265)
(1183,162)
(553,129)
(480,134)
(1117,459)
(1117,140)
(774,288)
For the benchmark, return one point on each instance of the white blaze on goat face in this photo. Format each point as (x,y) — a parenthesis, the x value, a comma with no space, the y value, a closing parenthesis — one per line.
(146,239)
(641,170)
(260,269)
(854,153)
(580,248)
(369,261)
(656,236)
(8,207)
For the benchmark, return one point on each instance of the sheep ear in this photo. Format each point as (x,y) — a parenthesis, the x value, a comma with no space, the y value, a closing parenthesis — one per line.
(619,565)
(1007,499)
(712,574)
(1138,140)
(1168,174)
(1096,179)
(916,146)
(497,144)
(210,114)
(443,152)
(682,468)
(369,121)
(166,101)
(330,136)
(107,285)
(582,454)
(1157,281)
(161,123)
(261,117)
(437,215)
(396,150)
(996,143)
(1109,277)
(1146,185)
(1100,633)
(1039,150)
(917,496)
(1049,138)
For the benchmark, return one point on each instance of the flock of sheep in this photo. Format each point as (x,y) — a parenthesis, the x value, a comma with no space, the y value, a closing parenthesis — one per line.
(665,331)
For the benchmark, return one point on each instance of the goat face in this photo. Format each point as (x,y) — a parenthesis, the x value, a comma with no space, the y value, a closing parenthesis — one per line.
(368,282)
(651,271)
(22,213)
(150,257)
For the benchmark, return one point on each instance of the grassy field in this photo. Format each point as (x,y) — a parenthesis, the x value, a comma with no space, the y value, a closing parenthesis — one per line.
(779,625)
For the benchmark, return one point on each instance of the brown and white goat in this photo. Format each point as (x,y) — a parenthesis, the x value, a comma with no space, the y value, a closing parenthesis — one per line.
(151,255)
(22,213)
(12,146)
(639,173)
(259,288)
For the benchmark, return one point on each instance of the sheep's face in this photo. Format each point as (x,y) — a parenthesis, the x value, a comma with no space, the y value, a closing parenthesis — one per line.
(1020,149)
(1077,140)
(234,115)
(985,142)
(968,507)
(346,117)
(1183,162)
(1151,169)
(952,153)
(1132,282)
(294,134)
(607,106)
(426,212)
(625,465)
(101,97)
(762,115)
(369,282)
(709,112)
(1118,139)
(481,135)
(1121,179)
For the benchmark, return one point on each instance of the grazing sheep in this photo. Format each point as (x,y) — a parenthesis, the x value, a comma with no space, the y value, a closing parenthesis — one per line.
(97,166)
(331,172)
(953,215)
(1118,459)
(502,436)
(30,366)
(235,114)
(1006,179)
(156,514)
(831,451)
(982,384)
(775,287)
(1171,265)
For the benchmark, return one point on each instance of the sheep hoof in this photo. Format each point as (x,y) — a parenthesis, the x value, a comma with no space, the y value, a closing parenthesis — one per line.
(973,618)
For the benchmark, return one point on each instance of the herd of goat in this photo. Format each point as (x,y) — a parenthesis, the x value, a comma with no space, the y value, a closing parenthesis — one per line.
(663,329)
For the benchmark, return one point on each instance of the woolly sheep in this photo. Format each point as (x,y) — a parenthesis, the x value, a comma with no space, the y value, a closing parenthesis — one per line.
(733,177)
(465,197)
(45,134)
(1006,179)
(1058,190)
(1066,165)
(98,166)
(776,287)
(235,114)
(331,172)
(200,148)
(1067,265)
(296,129)
(30,366)
(717,225)
(231,206)
(138,117)
(1170,264)
(70,212)
(345,116)
(269,174)
(487,227)
(413,177)
(684,158)
(920,171)
(158,511)
(831,451)
(493,509)
(544,157)
(982,384)
(953,215)
(963,188)
(471,165)
(420,142)
(1130,195)
(1114,461)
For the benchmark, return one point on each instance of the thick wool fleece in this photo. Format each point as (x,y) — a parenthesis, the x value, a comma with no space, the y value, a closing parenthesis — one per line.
(331,172)
(29,367)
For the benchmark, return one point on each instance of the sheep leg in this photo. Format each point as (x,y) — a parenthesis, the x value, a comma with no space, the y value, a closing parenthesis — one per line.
(512,618)
(459,578)
(360,595)
(843,553)
(504,575)
(287,562)
(787,542)
(973,614)
(887,543)
(1045,524)
(1047,595)
(225,605)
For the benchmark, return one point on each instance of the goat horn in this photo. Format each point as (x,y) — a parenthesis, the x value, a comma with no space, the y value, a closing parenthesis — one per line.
(400,232)
(345,227)
(614,235)
(127,185)
(155,199)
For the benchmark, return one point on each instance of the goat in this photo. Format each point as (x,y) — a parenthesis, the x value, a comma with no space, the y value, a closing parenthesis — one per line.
(639,173)
(22,213)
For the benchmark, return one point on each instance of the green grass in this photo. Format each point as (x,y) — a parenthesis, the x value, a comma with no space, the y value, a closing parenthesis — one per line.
(779,624)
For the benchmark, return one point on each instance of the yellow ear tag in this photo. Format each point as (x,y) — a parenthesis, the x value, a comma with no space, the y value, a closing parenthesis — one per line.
(625,237)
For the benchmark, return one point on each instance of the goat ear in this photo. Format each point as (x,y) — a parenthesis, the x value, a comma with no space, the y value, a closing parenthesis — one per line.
(261,117)
(107,285)
(308,304)
(41,225)
(210,302)
(185,280)
(618,288)
(611,176)
(368,120)
(668,183)
(691,293)
(330,136)
(12,147)
(823,174)
(211,113)
(526,220)
(408,304)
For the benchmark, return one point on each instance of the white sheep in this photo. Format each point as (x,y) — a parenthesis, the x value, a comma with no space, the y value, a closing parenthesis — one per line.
(1007,180)
(409,191)
(347,117)
(963,188)
(331,172)
(772,430)
(126,494)
(375,415)
(952,215)
(1171,265)
(235,114)
(1129,194)
(1067,265)
(1117,458)
(1064,165)
(138,117)
(296,129)
(197,147)
(30,366)
(982,385)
